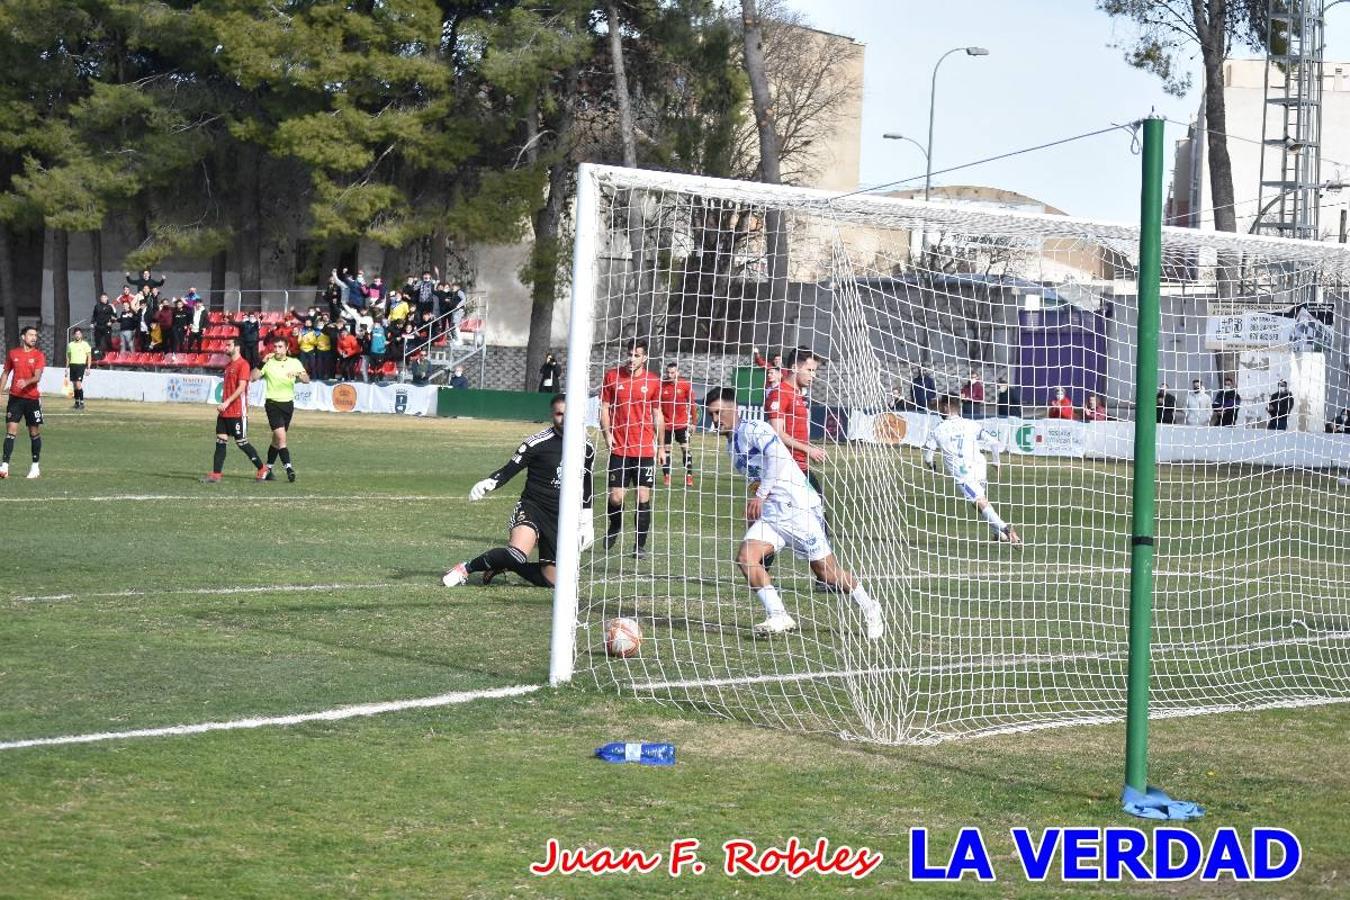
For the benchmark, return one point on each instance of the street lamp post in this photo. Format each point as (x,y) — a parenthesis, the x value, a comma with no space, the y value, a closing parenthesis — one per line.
(932,103)
(893,136)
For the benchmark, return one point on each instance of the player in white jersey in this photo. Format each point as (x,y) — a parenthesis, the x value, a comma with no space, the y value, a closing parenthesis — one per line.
(785,511)
(962,443)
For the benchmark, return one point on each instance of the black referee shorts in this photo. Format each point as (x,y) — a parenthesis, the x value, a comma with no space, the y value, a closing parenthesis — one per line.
(76,373)
(279,413)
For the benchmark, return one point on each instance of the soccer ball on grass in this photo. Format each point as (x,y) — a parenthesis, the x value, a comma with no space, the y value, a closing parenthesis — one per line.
(623,637)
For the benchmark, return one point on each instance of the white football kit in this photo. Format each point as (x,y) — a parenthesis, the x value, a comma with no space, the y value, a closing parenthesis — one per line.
(962,442)
(792,515)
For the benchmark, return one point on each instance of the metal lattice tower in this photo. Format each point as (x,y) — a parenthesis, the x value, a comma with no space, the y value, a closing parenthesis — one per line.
(1291,147)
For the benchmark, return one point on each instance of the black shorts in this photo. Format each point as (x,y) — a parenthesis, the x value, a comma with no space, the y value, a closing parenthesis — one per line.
(23,408)
(76,372)
(631,471)
(681,436)
(544,525)
(231,425)
(279,413)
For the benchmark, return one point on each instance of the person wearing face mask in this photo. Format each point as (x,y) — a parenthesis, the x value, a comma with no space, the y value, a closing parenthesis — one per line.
(1227,402)
(1061,407)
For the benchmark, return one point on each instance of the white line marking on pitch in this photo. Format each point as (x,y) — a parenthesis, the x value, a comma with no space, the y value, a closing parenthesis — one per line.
(328,715)
(197,498)
(250,589)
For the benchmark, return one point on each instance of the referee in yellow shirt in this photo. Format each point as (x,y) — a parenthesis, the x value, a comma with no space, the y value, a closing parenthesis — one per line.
(279,374)
(78,353)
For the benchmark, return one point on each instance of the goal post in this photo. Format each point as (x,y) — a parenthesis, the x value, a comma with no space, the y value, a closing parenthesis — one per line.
(1031,322)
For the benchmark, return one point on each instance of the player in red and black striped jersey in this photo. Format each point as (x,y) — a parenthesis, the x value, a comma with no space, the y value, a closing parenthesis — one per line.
(631,420)
(25,363)
(232,415)
(677,408)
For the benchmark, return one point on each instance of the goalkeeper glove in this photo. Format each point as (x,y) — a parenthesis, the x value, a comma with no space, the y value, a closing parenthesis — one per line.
(481,489)
(587,530)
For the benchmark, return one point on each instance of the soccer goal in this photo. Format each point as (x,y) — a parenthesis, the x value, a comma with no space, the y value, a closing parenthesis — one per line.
(1029,320)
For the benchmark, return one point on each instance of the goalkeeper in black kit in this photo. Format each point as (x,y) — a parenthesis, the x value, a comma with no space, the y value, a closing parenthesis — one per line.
(534,523)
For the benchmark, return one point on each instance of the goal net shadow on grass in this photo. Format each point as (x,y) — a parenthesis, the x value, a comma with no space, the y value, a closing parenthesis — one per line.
(1252,601)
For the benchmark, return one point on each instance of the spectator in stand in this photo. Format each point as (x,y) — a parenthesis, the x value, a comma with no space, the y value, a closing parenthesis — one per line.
(325,346)
(140,303)
(182,324)
(333,293)
(1007,399)
(248,339)
(192,298)
(1341,424)
(164,319)
(459,381)
(549,375)
(399,308)
(1094,409)
(972,396)
(353,291)
(1199,404)
(898,401)
(128,325)
(1167,406)
(156,299)
(126,296)
(425,293)
(410,336)
(419,368)
(1061,407)
(1226,404)
(365,321)
(197,327)
(1280,406)
(922,389)
(458,307)
(145,281)
(349,354)
(103,317)
(377,291)
(308,342)
(378,345)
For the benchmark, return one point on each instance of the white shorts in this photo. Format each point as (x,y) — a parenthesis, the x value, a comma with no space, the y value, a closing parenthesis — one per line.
(970,488)
(802,531)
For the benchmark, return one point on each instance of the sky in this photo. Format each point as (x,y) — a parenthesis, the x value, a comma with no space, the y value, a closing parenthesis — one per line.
(1050,74)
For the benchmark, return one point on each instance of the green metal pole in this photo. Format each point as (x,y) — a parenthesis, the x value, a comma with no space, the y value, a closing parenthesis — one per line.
(1145,457)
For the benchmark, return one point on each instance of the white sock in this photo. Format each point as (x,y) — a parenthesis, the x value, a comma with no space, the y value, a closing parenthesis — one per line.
(773,604)
(860,596)
(992,517)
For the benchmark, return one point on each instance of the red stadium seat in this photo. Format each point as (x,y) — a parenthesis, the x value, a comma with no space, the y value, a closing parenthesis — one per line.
(217,361)
(217,318)
(471,325)
(389,369)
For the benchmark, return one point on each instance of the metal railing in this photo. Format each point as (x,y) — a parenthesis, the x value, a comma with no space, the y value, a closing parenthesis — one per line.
(270,300)
(476,307)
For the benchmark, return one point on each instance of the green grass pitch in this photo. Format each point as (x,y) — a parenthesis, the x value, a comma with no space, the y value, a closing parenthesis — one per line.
(136,597)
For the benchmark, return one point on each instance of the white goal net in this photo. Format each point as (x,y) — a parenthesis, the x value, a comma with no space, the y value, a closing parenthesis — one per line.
(1029,321)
